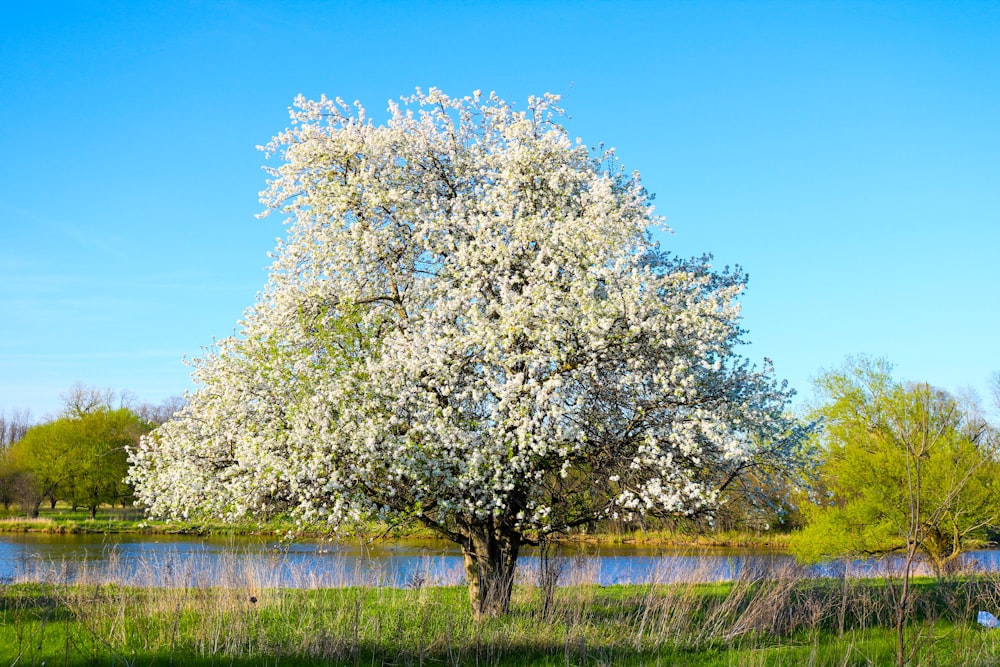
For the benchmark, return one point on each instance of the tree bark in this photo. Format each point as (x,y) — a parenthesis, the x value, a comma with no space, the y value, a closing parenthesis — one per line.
(490,562)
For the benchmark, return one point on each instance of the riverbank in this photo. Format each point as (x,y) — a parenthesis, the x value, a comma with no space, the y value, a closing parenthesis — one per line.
(666,538)
(64,521)
(784,620)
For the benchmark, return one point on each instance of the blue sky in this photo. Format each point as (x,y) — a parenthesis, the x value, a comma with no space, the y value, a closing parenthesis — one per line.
(847,155)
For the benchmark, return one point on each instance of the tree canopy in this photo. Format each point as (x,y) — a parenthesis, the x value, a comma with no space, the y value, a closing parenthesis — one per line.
(81,459)
(906,469)
(468,326)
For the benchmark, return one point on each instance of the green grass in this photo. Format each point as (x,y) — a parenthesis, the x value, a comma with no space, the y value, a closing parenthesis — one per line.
(785,620)
(688,538)
(63,520)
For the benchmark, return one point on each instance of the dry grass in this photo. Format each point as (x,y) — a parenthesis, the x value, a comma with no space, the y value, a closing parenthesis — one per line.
(27,521)
(244,614)
(678,538)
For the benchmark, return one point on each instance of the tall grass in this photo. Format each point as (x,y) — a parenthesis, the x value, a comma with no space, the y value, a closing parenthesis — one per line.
(238,615)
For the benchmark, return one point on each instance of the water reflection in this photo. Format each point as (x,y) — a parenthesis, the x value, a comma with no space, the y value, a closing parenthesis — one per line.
(255,563)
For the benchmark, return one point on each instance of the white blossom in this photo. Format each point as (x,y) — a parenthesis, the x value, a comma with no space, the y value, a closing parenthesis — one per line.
(468,322)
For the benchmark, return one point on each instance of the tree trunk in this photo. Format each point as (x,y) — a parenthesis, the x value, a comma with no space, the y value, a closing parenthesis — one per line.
(490,561)
(93,512)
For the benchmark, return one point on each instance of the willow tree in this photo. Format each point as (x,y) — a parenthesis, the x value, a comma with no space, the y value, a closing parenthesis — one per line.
(80,458)
(908,472)
(467,326)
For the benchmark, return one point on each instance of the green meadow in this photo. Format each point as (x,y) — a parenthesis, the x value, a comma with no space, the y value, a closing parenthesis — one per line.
(782,618)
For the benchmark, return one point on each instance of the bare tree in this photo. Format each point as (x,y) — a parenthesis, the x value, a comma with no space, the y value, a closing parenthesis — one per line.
(81,399)
(162,412)
(995,389)
(13,426)
(975,420)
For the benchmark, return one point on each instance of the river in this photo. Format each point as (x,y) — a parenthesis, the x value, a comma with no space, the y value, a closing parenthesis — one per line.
(158,560)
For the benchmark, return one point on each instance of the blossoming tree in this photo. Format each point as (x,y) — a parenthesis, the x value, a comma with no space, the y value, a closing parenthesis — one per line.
(468,326)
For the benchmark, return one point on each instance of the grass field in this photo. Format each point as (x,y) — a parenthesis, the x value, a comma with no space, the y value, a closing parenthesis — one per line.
(765,618)
(63,520)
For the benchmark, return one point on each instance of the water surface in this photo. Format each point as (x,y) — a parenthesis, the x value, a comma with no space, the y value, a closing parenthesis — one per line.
(159,560)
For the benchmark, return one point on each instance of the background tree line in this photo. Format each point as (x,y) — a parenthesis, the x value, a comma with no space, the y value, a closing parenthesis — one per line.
(78,457)
(894,466)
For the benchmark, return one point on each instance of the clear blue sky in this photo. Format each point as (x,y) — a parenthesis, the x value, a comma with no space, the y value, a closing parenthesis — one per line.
(847,155)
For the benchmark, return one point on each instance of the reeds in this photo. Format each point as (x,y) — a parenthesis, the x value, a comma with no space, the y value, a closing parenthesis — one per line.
(239,613)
